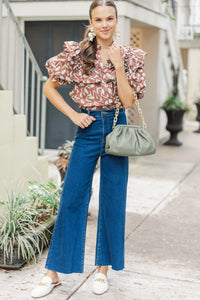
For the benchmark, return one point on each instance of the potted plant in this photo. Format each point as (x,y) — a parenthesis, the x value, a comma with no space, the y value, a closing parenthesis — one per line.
(27,225)
(64,152)
(197,103)
(45,197)
(175,110)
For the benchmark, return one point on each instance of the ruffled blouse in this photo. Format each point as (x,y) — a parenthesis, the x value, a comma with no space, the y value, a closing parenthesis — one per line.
(98,89)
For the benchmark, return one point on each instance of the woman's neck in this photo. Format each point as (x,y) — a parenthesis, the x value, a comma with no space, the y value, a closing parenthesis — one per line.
(104,44)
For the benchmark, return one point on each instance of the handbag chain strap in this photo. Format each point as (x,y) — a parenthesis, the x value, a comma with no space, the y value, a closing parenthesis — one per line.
(138,108)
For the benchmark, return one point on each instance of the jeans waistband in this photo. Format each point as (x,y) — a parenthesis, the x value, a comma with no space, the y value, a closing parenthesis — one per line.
(101,112)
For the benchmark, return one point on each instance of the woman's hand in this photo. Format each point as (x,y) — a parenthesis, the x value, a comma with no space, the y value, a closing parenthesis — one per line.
(50,91)
(82,120)
(115,55)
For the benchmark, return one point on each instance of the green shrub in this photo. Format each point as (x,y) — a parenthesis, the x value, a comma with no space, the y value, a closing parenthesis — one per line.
(44,195)
(173,102)
(19,228)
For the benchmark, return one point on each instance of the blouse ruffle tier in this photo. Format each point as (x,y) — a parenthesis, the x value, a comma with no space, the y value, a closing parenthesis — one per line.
(98,89)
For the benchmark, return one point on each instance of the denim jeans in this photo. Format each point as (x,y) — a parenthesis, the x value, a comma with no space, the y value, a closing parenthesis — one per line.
(67,247)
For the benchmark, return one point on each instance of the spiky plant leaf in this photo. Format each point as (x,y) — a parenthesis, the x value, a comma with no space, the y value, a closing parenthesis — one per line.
(19,230)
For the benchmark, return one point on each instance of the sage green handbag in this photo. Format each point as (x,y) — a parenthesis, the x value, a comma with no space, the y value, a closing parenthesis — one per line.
(129,140)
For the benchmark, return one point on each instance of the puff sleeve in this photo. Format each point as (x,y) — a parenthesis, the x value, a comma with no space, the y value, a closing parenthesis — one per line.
(134,65)
(62,66)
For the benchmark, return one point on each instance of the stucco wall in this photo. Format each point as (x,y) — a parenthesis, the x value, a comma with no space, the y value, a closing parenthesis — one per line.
(193,73)
(19,158)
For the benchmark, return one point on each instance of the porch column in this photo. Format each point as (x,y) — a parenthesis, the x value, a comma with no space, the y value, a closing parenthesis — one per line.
(153,43)
(124,26)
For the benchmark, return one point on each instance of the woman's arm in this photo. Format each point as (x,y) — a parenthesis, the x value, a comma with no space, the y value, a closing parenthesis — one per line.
(125,91)
(50,91)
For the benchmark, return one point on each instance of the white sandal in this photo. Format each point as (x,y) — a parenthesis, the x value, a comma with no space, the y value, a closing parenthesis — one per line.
(100,283)
(44,287)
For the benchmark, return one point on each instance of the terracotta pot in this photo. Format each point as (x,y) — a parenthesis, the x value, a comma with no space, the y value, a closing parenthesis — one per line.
(61,163)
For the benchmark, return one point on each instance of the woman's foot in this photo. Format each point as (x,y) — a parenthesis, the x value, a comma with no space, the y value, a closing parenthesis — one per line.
(100,283)
(46,285)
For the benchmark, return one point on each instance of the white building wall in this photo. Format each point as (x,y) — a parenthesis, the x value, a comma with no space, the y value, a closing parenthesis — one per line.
(187,18)
(12,64)
(19,158)
(159,81)
(155,5)
(195,15)
(124,27)
(193,74)
(188,24)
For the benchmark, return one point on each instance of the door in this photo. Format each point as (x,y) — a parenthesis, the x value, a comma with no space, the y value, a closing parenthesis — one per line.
(46,40)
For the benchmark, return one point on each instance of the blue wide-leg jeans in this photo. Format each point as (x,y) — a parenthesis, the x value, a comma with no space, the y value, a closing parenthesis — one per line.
(67,247)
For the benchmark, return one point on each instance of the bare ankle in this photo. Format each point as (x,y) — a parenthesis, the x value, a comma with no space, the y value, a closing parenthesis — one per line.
(103,269)
(53,275)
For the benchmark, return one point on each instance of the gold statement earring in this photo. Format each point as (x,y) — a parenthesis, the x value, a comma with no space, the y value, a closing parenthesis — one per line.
(91,35)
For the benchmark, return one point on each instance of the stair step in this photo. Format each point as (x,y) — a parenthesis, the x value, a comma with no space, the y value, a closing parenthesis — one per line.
(40,168)
(19,126)
(6,103)
(31,144)
(6,163)
(19,158)
(6,118)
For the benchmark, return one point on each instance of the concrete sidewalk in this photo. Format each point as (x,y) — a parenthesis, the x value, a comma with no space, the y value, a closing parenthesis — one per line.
(162,234)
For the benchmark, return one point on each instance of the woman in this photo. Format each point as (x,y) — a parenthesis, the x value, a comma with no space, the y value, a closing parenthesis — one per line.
(100,69)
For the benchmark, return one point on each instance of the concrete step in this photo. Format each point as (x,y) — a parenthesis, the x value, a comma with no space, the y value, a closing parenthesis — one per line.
(6,118)
(19,158)
(6,103)
(19,127)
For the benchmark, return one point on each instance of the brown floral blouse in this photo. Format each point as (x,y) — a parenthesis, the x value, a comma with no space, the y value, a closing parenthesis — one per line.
(98,89)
